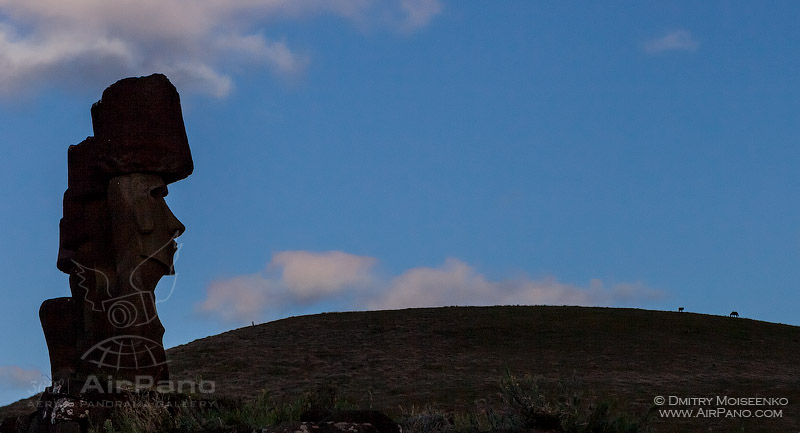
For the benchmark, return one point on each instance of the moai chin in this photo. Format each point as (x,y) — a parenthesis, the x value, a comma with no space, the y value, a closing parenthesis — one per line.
(118,237)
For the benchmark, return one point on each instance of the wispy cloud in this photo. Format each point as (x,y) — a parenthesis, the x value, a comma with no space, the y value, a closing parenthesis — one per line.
(198,42)
(308,280)
(292,279)
(316,275)
(676,40)
(13,377)
(456,283)
(418,12)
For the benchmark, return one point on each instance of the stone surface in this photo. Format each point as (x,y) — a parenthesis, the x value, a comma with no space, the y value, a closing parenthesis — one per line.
(59,322)
(117,239)
(345,420)
(324,427)
(139,122)
(69,409)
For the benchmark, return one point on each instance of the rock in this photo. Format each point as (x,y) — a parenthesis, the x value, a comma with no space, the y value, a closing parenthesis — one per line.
(69,409)
(325,427)
(59,321)
(350,418)
(139,121)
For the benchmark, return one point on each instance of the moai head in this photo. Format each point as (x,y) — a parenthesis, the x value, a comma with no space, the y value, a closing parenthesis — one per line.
(118,234)
(144,230)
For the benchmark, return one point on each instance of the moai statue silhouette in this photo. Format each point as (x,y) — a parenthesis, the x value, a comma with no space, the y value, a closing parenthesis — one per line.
(118,238)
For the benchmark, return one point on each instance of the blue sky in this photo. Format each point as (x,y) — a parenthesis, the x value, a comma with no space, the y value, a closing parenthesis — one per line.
(370,154)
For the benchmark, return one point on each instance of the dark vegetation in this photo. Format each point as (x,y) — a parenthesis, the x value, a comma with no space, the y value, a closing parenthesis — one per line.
(493,368)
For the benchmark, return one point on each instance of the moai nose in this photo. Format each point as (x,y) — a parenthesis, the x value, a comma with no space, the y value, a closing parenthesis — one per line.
(176,227)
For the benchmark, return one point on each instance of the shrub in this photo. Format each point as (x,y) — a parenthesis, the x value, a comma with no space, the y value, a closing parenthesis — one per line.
(530,407)
(426,421)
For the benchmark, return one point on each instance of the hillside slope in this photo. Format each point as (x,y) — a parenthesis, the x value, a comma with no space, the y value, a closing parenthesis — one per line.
(450,357)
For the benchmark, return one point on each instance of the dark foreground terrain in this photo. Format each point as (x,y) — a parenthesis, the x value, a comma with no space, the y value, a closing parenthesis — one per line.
(452,359)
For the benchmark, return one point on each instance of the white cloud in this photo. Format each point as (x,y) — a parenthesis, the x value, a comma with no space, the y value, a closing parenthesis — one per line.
(291,279)
(314,280)
(677,40)
(199,41)
(242,298)
(14,377)
(310,275)
(456,283)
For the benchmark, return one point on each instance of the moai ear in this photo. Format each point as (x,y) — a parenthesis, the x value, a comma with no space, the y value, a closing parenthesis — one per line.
(144,214)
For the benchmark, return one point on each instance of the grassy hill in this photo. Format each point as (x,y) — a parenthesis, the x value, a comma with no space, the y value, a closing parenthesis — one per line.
(453,358)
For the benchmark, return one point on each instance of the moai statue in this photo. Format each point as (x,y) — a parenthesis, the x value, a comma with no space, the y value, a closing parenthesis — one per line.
(118,239)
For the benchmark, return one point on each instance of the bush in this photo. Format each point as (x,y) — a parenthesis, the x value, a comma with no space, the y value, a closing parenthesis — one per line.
(427,421)
(529,406)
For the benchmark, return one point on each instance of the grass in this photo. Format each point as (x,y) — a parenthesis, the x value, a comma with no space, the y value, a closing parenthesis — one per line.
(153,412)
(526,407)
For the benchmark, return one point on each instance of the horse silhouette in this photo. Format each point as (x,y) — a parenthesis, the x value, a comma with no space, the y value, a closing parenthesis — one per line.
(680,309)
(734,314)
